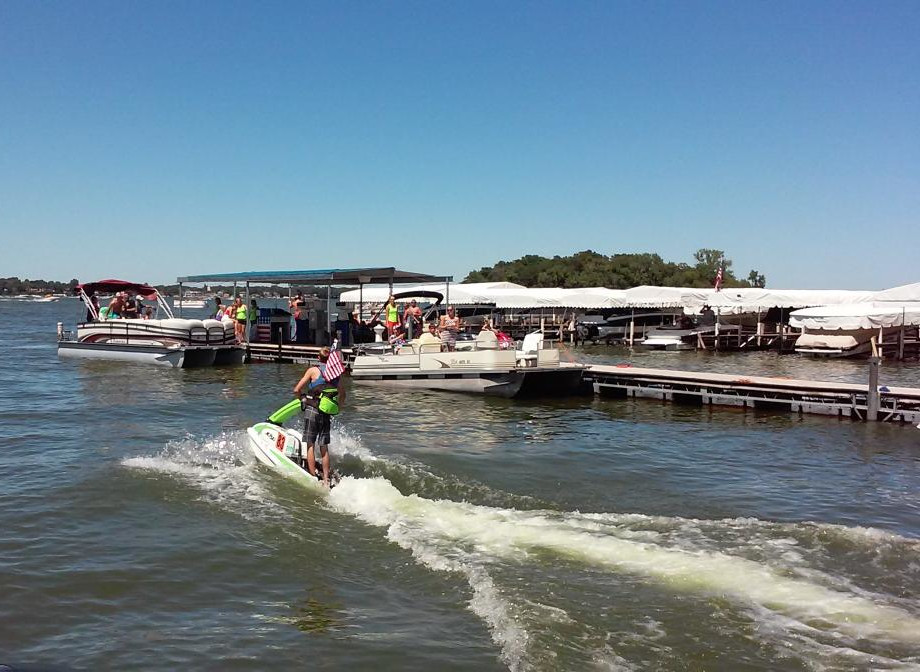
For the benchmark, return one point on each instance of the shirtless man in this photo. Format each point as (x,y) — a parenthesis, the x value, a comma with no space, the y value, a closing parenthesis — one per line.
(117,306)
(413,316)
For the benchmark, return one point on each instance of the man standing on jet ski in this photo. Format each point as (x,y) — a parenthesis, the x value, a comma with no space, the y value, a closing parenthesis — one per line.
(321,399)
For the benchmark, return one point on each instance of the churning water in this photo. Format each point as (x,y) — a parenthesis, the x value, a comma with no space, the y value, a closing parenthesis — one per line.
(138,532)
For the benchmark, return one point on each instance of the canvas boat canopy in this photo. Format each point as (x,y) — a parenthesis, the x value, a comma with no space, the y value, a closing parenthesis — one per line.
(502,295)
(904,293)
(869,315)
(113,286)
(753,299)
(325,276)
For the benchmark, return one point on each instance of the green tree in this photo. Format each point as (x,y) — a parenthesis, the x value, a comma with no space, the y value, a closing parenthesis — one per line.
(756,279)
(618,271)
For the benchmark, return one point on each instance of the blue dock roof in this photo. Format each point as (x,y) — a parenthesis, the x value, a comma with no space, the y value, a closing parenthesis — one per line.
(331,276)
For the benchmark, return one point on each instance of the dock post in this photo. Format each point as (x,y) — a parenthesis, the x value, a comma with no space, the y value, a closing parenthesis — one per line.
(715,345)
(872,398)
(901,335)
(248,317)
(632,327)
(759,328)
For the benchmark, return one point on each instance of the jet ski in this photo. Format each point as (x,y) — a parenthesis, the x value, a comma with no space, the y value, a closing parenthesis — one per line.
(284,449)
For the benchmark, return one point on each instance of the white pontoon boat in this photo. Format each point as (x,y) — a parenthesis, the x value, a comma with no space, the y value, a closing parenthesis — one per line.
(482,368)
(169,341)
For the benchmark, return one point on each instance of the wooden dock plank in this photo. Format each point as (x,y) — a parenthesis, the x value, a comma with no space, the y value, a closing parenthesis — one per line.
(756,392)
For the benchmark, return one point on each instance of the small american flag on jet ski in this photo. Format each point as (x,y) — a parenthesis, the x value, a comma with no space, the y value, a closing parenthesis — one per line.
(334,366)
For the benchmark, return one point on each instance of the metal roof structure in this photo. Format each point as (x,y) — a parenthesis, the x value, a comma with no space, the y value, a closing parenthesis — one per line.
(327,276)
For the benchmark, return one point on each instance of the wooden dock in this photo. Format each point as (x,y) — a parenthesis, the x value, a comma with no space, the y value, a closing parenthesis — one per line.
(293,353)
(754,393)
(844,400)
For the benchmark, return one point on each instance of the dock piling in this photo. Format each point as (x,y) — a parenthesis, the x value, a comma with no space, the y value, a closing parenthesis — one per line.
(872,399)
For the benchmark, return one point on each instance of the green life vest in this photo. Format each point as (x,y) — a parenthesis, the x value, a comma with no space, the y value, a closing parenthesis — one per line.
(329,401)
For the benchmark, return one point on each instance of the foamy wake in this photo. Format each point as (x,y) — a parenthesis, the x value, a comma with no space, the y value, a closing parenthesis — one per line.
(758,565)
(447,535)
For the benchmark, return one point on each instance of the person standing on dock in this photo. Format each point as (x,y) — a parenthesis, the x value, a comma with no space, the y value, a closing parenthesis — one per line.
(322,393)
(241,317)
(707,317)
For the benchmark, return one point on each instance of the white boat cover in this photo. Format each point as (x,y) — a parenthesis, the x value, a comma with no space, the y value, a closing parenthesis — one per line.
(501,295)
(649,296)
(469,294)
(508,295)
(905,293)
(754,299)
(826,341)
(870,315)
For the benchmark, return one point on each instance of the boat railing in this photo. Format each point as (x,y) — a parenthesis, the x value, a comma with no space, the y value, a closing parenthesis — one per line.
(140,329)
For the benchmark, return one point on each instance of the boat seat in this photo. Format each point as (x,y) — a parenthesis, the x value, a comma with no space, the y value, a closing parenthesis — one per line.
(486,340)
(532,342)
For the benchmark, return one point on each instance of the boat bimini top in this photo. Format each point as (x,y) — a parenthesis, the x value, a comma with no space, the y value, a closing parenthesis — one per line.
(422,294)
(87,289)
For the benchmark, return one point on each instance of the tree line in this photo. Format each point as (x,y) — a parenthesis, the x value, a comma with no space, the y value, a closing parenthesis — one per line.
(617,271)
(13,286)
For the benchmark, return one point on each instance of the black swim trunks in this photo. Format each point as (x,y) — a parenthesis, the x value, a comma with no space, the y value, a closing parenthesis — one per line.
(316,426)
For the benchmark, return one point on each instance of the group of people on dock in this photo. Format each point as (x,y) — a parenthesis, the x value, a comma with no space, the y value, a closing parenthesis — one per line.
(238,313)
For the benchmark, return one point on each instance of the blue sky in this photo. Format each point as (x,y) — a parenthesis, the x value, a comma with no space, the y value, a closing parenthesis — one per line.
(148,140)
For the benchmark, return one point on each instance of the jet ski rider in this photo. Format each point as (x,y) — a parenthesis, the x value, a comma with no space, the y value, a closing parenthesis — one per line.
(321,399)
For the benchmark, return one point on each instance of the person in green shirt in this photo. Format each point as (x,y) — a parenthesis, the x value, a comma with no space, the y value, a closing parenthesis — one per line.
(392,315)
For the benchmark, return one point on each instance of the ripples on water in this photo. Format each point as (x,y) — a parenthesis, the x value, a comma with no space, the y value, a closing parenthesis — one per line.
(137,531)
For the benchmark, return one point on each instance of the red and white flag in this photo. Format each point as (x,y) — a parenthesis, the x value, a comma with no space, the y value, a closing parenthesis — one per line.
(335,367)
(719,278)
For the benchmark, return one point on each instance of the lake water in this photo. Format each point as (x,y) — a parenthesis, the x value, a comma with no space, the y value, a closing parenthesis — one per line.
(138,532)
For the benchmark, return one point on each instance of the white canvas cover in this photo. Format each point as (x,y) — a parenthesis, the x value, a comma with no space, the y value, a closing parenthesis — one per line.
(459,294)
(650,296)
(870,315)
(588,298)
(827,341)
(904,293)
(753,299)
(501,295)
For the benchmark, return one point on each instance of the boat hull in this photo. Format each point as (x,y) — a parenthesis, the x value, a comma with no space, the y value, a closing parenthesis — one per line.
(523,382)
(229,355)
(174,357)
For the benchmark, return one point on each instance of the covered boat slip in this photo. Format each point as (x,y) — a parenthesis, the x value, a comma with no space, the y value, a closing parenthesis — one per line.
(882,328)
(329,277)
(747,318)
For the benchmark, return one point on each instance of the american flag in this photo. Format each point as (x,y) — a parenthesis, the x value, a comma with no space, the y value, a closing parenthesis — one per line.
(334,366)
(719,278)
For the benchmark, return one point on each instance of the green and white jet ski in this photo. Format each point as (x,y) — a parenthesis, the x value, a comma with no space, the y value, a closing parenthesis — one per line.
(283,449)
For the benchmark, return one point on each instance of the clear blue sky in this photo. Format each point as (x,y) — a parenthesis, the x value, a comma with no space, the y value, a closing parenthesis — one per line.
(147,140)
